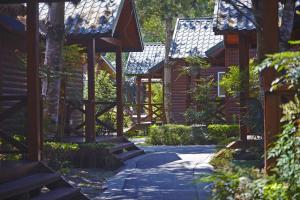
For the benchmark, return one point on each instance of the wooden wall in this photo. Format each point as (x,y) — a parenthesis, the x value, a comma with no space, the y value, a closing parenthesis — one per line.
(12,77)
(179,88)
(181,99)
(13,80)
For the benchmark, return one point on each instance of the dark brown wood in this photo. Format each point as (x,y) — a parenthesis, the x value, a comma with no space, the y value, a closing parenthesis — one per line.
(33,83)
(12,110)
(26,183)
(272,124)
(150,98)
(138,99)
(119,83)
(272,110)
(90,128)
(244,76)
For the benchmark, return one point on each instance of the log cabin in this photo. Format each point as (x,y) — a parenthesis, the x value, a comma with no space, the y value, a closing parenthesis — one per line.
(239,28)
(192,38)
(24,179)
(145,68)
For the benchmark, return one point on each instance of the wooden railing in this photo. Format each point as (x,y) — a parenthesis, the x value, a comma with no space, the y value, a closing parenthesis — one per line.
(140,113)
(101,109)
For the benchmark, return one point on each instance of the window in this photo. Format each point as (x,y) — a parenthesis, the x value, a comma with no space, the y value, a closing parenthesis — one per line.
(221,91)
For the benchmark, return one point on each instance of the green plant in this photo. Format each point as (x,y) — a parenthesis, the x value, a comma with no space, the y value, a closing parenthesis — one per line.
(60,155)
(169,134)
(206,112)
(222,133)
(232,84)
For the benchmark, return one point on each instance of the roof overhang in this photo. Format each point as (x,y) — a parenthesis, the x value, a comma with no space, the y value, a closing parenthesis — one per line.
(126,31)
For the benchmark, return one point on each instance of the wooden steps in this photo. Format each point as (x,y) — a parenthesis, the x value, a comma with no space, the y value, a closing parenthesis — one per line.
(124,150)
(121,146)
(60,194)
(129,154)
(35,181)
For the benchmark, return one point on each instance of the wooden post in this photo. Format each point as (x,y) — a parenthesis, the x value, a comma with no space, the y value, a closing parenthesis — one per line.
(33,82)
(272,110)
(119,83)
(90,128)
(150,97)
(138,99)
(244,76)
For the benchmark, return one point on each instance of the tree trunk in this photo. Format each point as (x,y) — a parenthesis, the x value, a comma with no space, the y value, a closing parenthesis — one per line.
(53,60)
(167,72)
(287,24)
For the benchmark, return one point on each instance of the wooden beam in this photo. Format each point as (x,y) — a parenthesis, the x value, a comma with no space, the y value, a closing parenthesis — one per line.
(244,76)
(138,99)
(90,128)
(270,44)
(150,97)
(119,83)
(33,82)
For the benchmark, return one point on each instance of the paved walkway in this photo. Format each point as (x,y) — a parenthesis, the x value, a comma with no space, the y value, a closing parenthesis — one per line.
(163,173)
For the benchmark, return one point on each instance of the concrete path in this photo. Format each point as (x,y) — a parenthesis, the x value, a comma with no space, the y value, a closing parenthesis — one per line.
(163,173)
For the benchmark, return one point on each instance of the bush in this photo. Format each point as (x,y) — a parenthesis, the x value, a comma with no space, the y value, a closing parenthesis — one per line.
(222,133)
(61,156)
(169,134)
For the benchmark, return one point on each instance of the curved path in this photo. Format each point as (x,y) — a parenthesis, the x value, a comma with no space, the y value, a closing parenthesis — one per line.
(163,173)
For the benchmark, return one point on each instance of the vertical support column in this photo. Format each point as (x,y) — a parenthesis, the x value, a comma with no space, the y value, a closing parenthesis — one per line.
(90,128)
(33,83)
(150,97)
(119,83)
(244,76)
(138,99)
(272,110)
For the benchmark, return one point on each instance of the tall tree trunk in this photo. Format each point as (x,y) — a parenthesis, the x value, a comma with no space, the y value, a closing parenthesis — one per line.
(287,24)
(168,72)
(53,60)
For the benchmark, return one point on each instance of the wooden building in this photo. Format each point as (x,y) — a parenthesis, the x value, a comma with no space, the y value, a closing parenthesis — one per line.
(192,38)
(120,33)
(146,69)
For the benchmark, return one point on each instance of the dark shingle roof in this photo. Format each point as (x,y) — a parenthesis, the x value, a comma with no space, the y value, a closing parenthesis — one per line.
(193,37)
(88,16)
(228,18)
(140,63)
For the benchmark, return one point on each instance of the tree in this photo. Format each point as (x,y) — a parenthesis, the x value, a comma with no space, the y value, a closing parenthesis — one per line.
(158,19)
(54,63)
(232,84)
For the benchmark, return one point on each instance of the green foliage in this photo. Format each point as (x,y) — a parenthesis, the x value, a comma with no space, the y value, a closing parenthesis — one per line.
(157,93)
(222,133)
(105,90)
(232,84)
(169,134)
(284,184)
(287,65)
(62,156)
(203,96)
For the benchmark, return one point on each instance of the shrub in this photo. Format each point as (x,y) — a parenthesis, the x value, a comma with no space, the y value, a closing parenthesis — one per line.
(61,156)
(200,135)
(222,133)
(169,134)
